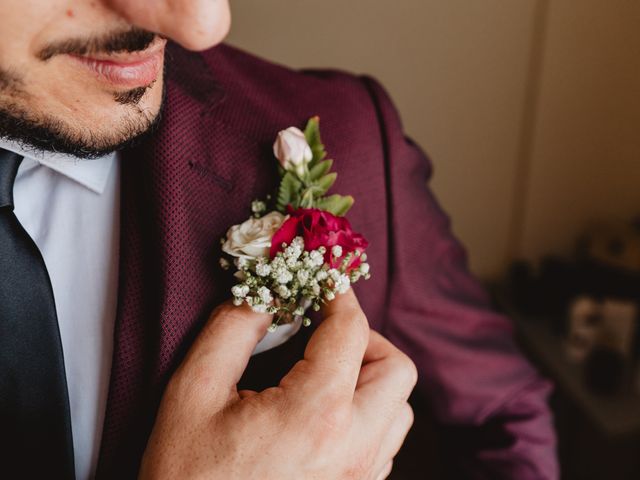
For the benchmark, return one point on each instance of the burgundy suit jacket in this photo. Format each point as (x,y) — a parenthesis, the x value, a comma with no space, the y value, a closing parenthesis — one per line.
(193,178)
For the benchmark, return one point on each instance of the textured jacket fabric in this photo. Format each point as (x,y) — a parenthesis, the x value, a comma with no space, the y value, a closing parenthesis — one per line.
(193,178)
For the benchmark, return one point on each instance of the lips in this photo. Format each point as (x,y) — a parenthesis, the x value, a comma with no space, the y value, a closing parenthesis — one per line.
(126,70)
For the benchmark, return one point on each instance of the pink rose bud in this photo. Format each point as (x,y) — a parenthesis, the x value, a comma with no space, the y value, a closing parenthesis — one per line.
(292,150)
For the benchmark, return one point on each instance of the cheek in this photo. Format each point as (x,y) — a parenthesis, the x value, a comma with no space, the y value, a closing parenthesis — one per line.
(27,25)
(21,24)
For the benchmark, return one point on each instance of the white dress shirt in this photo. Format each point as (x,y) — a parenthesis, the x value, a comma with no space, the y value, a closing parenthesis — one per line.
(70,207)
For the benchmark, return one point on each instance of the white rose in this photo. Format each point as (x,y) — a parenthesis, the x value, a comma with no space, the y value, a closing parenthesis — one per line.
(292,150)
(252,239)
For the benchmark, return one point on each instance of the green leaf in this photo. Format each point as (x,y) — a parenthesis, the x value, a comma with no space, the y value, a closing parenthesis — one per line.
(312,131)
(335,204)
(312,135)
(324,184)
(306,199)
(289,192)
(320,170)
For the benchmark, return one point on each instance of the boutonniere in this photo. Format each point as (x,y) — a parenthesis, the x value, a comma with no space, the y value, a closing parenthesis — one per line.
(297,250)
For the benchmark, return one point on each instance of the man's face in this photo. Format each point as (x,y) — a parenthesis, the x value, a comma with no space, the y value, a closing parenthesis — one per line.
(86,76)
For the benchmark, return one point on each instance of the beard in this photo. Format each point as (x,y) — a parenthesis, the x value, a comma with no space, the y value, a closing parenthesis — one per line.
(45,132)
(33,129)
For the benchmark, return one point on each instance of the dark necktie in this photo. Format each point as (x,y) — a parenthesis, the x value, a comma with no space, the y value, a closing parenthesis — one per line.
(35,422)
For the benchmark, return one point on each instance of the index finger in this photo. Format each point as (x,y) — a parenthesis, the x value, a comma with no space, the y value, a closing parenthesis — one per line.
(333,356)
(220,354)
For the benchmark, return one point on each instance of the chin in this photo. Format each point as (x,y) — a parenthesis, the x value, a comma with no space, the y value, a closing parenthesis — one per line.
(124,109)
(117,124)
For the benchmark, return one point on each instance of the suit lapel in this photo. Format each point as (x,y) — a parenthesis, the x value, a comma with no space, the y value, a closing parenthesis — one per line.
(182,188)
(156,314)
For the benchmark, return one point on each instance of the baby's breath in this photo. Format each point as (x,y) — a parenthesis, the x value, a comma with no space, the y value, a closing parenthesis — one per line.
(258,207)
(294,281)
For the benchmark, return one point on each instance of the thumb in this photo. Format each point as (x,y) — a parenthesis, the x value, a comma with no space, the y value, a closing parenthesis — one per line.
(220,354)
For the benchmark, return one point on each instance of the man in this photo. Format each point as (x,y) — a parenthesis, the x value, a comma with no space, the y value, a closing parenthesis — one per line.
(109,246)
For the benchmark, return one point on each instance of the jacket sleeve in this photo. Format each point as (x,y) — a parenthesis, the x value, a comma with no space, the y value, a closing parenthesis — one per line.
(477,381)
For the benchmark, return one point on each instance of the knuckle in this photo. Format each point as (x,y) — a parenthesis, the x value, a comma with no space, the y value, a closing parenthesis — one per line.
(266,408)
(178,392)
(329,427)
(334,417)
(272,400)
(173,389)
(406,371)
(298,377)
(360,319)
(297,380)
(360,324)
(223,315)
(224,310)
(178,383)
(409,415)
(356,472)
(359,468)
(325,406)
(401,427)
(335,395)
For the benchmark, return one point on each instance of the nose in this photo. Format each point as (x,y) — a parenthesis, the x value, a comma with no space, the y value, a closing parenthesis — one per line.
(194,24)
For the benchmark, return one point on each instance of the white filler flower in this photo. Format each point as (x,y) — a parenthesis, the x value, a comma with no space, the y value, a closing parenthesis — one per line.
(252,239)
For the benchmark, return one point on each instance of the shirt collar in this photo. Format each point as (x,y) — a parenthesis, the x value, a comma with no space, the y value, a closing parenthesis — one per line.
(92,174)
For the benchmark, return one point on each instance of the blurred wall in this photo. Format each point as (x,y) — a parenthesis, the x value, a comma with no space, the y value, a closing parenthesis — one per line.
(585,148)
(492,91)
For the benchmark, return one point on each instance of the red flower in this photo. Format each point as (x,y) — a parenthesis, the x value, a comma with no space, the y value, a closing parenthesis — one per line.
(319,228)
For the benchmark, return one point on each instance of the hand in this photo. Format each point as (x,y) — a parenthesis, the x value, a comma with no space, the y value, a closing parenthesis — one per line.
(340,413)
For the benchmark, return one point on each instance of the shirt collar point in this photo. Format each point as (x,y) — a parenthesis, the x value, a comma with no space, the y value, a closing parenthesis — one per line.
(90,173)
